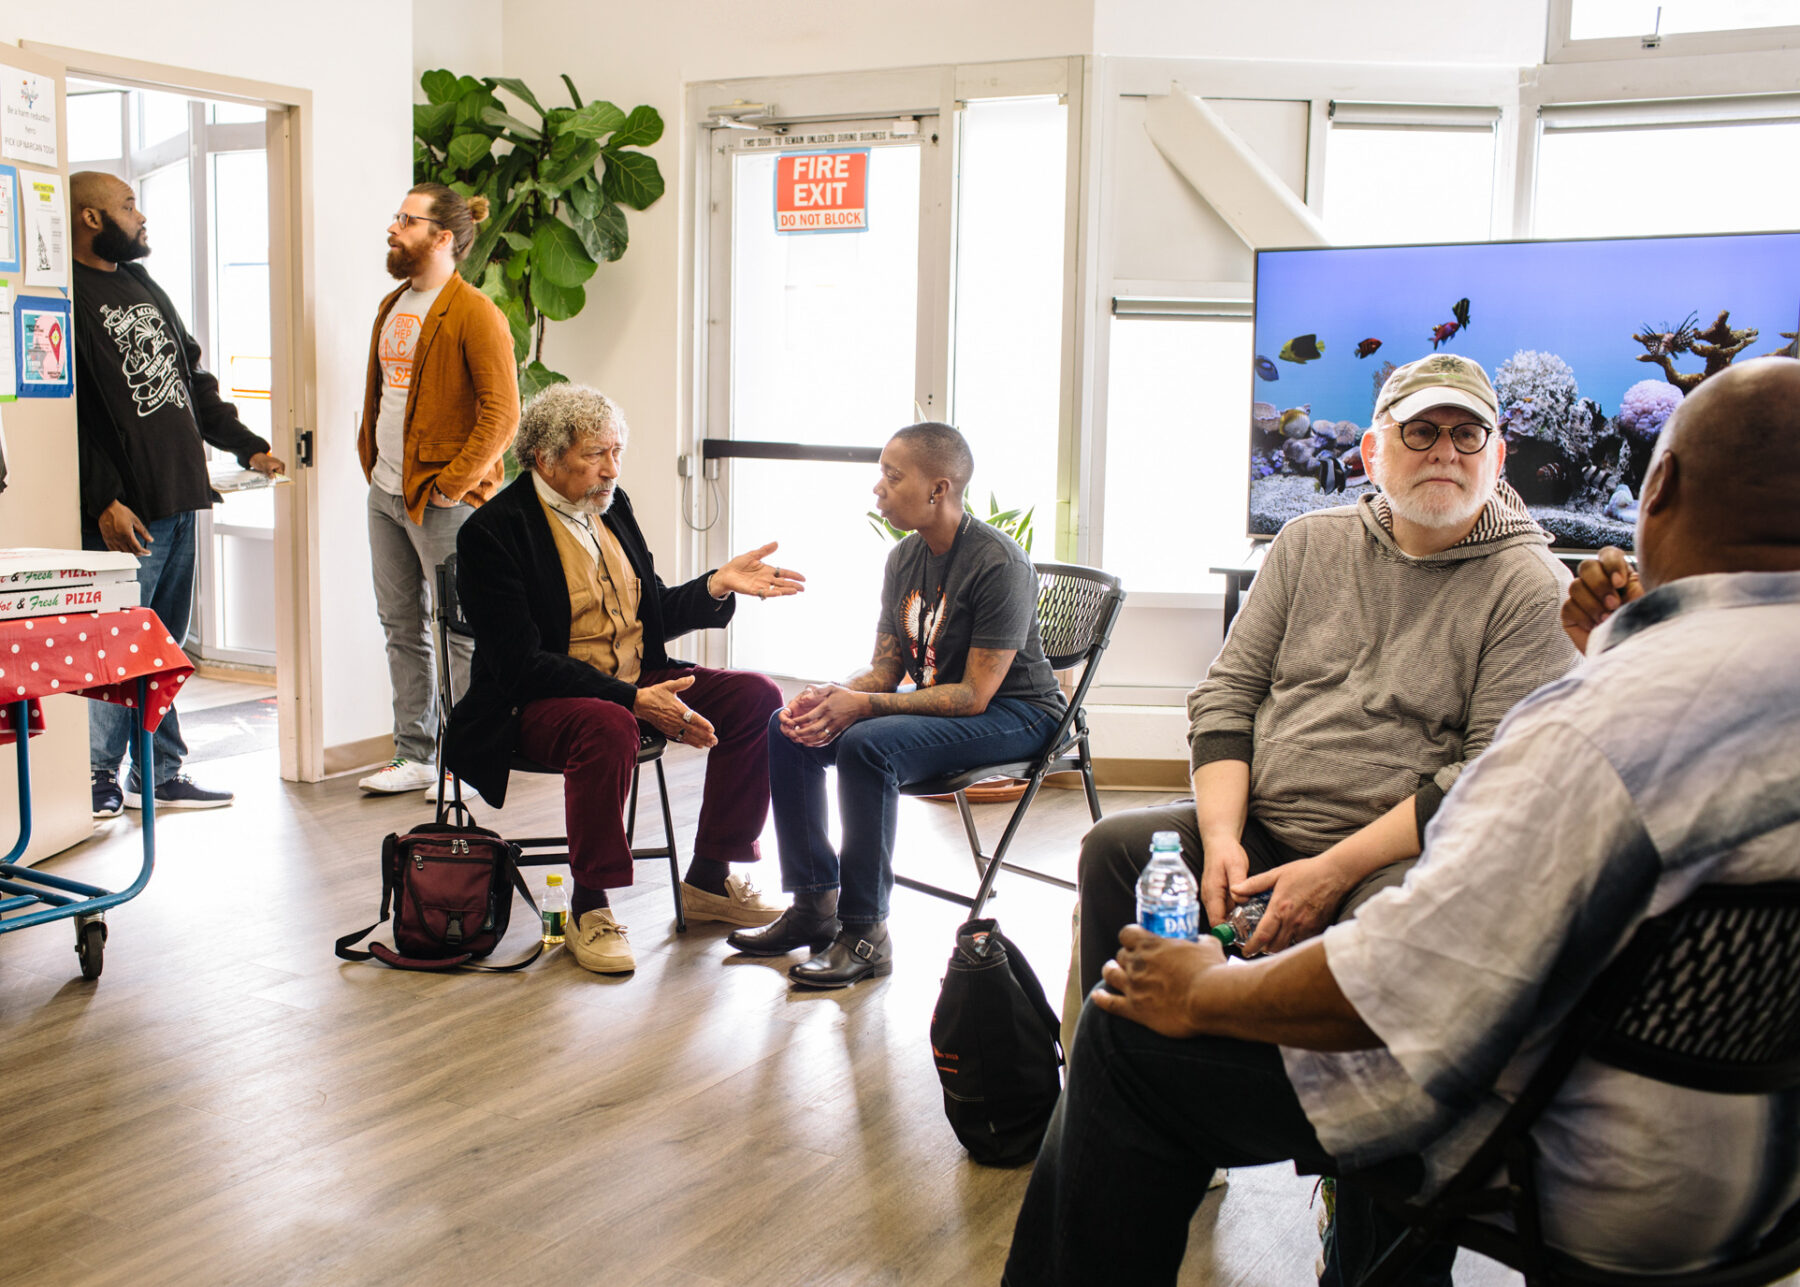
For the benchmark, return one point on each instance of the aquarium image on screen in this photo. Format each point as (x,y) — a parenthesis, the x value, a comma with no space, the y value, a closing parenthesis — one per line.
(1590,345)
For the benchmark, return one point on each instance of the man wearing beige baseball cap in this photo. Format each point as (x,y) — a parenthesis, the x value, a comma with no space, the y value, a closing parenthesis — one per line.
(1374,657)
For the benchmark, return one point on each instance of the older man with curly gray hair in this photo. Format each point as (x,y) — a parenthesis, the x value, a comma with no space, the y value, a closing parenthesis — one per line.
(571,623)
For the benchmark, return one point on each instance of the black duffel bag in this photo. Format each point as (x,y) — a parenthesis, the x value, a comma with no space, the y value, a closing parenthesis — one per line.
(995,1040)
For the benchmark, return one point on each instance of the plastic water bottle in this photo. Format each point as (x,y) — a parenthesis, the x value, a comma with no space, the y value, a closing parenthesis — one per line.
(556,910)
(1168,896)
(1241,924)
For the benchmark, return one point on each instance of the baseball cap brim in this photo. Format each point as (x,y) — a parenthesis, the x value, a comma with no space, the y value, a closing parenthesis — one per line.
(1441,396)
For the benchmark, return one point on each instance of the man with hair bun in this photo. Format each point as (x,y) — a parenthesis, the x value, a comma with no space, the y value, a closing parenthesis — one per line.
(442,404)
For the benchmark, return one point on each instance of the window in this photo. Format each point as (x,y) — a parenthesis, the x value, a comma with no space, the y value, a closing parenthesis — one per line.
(1732,175)
(1399,174)
(1581,30)
(1177,450)
(1011,199)
(96,126)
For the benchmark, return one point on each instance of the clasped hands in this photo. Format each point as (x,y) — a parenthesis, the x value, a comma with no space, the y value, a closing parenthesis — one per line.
(1303,895)
(820,712)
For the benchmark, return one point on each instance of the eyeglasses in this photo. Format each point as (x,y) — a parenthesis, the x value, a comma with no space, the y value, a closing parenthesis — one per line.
(1422,435)
(408,220)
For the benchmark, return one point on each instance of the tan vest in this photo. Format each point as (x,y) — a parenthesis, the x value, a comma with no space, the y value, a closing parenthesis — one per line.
(604,630)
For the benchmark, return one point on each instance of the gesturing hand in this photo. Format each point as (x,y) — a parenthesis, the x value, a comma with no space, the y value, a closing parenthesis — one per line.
(1306,895)
(266,465)
(820,712)
(123,530)
(657,706)
(748,574)
(1151,979)
(1602,585)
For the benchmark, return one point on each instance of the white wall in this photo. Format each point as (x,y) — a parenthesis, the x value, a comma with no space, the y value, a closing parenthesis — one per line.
(1374,31)
(627,341)
(356,58)
(462,35)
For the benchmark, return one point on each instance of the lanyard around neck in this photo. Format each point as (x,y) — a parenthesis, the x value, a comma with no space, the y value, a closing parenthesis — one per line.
(928,603)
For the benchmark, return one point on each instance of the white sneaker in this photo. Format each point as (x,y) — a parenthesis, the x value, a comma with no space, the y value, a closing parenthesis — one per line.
(400,775)
(443,784)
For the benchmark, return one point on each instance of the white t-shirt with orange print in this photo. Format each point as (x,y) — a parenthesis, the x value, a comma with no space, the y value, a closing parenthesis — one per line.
(397,353)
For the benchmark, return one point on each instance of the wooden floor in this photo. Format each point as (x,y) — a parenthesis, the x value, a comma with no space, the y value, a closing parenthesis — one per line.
(229,1104)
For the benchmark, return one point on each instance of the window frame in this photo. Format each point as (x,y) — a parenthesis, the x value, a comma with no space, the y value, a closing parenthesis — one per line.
(1560,47)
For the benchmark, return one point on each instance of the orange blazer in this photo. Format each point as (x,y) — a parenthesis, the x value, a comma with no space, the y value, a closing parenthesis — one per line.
(463,408)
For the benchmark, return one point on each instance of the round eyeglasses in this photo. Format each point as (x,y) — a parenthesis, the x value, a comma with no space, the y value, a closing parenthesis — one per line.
(1468,438)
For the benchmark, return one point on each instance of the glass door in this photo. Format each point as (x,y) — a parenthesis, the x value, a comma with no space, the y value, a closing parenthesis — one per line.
(814,360)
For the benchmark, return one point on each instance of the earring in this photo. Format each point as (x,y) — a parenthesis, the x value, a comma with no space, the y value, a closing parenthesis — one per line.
(931,500)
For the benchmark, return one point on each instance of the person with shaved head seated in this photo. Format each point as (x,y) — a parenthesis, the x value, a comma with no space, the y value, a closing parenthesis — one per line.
(1668,759)
(958,620)
(145,410)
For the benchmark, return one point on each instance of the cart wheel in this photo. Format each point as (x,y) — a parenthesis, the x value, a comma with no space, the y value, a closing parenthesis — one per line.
(90,946)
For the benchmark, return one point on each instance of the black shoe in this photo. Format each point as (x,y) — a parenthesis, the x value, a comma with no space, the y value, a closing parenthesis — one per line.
(109,801)
(791,931)
(179,792)
(849,959)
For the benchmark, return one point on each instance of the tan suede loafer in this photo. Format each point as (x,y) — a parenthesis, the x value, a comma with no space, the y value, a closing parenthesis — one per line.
(742,904)
(598,943)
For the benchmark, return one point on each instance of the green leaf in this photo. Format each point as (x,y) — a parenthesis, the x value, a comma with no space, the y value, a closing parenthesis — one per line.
(518,321)
(473,106)
(517,267)
(573,96)
(439,85)
(642,128)
(605,237)
(558,303)
(632,179)
(516,88)
(558,256)
(585,196)
(537,377)
(517,240)
(498,117)
(597,118)
(432,123)
(466,149)
(556,118)
(558,173)
(488,237)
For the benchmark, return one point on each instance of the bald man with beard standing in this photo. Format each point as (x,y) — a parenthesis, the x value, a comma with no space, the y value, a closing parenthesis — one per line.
(145,411)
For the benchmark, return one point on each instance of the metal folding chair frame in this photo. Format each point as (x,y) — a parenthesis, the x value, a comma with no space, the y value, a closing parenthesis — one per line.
(1067,748)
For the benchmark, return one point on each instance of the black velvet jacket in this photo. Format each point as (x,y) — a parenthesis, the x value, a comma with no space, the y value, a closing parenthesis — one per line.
(514,594)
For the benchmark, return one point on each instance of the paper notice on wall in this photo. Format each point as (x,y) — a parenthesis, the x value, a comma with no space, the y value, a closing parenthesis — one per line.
(9,219)
(822,192)
(46,228)
(9,378)
(28,117)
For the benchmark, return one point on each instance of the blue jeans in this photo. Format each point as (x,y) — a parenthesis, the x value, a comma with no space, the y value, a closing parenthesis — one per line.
(1138,1132)
(166,587)
(874,758)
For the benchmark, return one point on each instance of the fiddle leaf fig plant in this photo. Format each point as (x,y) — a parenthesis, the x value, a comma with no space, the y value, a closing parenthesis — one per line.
(557,192)
(1015,523)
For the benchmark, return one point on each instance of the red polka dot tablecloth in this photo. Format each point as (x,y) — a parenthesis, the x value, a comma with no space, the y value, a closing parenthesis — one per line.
(98,655)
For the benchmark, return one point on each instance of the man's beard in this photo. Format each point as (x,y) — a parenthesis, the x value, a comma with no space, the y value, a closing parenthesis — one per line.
(405,262)
(112,245)
(596,500)
(1422,505)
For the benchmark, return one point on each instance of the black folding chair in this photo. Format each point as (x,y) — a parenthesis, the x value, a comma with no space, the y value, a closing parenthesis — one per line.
(447,619)
(1076,610)
(1705,996)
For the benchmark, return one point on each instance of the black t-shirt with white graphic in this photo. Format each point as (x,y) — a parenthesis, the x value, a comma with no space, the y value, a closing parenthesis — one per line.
(142,379)
(981,593)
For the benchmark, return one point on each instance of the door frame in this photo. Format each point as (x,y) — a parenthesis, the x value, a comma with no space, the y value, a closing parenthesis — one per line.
(294,375)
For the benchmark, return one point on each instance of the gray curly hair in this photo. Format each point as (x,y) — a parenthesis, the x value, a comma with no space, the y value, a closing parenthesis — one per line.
(561,416)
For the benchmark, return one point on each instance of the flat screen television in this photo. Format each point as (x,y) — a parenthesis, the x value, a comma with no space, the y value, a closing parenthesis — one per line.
(1588,343)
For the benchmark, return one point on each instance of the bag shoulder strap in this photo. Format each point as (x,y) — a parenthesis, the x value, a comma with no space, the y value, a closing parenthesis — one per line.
(388,956)
(1033,989)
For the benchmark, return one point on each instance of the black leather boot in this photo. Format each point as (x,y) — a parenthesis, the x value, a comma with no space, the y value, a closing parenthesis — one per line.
(796,928)
(855,954)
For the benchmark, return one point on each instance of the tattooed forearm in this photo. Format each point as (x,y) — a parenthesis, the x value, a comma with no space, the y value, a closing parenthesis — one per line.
(940,699)
(884,672)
